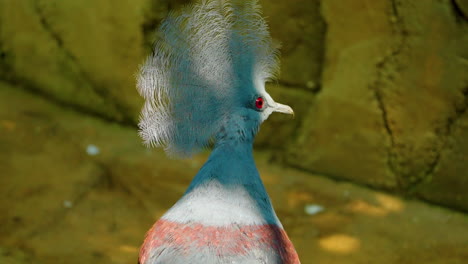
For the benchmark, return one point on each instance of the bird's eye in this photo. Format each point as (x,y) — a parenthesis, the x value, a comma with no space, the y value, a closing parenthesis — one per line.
(259,103)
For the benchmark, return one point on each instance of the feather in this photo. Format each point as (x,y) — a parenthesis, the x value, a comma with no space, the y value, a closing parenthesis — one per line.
(209,57)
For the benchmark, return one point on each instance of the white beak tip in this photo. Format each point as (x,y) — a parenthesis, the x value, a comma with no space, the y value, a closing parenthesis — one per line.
(285,109)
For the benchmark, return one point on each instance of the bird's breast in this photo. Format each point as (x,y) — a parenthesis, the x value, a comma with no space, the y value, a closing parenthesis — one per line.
(213,203)
(219,223)
(172,242)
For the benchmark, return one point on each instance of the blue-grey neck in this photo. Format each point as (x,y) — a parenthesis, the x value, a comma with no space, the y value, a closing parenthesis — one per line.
(231,165)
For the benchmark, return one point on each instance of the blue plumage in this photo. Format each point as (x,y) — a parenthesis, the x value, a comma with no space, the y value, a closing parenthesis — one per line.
(211,61)
(205,83)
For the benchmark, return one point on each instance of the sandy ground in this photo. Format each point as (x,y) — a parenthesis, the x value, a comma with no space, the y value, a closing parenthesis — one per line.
(60,204)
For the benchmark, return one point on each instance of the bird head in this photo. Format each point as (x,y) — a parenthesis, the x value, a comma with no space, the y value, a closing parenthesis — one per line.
(206,77)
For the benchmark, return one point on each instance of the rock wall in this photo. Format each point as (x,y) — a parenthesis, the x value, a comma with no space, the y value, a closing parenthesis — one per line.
(78,53)
(392,110)
(380,88)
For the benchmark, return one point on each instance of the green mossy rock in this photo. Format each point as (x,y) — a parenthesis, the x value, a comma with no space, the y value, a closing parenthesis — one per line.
(79,53)
(394,100)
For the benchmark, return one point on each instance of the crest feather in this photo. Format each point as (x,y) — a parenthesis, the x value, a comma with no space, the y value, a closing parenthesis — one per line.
(208,56)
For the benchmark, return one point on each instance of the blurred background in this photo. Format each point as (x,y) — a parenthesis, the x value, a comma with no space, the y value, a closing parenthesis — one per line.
(373,169)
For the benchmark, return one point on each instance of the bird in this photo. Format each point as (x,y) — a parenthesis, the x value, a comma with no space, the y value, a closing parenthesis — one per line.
(204,86)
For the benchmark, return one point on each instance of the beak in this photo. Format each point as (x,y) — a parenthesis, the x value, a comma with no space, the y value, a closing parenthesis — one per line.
(281,108)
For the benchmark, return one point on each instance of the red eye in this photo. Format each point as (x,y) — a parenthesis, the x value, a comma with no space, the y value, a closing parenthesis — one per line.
(259,103)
